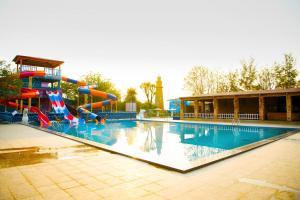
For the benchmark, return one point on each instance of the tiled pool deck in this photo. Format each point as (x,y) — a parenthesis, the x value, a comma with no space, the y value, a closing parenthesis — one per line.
(39,165)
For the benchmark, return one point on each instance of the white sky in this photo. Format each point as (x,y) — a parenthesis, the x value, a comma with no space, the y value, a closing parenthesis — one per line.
(134,41)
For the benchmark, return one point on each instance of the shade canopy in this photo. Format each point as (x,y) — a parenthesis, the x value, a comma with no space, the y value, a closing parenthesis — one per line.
(39,62)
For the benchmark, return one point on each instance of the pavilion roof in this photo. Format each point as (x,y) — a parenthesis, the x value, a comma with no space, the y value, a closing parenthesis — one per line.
(246,93)
(34,61)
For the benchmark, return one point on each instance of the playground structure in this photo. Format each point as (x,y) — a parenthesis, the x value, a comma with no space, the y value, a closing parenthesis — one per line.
(41,90)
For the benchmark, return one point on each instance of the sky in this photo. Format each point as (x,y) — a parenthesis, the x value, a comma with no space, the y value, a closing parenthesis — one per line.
(133,41)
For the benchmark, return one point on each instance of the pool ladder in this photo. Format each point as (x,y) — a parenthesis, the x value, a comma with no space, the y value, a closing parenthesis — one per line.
(235,122)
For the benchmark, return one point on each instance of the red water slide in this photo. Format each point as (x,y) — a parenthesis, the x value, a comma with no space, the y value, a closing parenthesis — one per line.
(45,122)
(30,93)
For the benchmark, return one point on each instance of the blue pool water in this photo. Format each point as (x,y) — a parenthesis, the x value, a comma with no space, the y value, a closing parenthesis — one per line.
(172,144)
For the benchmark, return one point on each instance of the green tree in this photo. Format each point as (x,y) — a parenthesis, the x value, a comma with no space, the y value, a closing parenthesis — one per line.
(101,83)
(69,90)
(131,95)
(266,79)
(10,83)
(222,84)
(233,83)
(248,75)
(196,80)
(149,90)
(286,73)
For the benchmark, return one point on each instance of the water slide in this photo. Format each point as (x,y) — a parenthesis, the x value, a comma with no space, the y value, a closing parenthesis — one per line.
(88,89)
(45,122)
(59,106)
(27,93)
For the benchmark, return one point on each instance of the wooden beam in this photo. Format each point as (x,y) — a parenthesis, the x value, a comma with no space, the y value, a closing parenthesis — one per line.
(196,108)
(288,107)
(181,108)
(236,107)
(216,108)
(261,108)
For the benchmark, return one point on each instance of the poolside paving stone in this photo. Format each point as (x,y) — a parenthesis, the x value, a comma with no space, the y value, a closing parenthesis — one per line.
(71,170)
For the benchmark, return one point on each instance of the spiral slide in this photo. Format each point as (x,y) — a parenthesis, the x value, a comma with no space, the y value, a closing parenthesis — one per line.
(87,89)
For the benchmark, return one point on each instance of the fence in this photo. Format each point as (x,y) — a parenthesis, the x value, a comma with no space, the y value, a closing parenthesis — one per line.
(10,118)
(189,115)
(225,116)
(117,115)
(249,116)
(206,115)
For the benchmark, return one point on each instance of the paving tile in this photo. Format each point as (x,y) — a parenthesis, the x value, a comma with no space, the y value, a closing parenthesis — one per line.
(22,191)
(56,195)
(68,184)
(81,192)
(117,177)
(5,193)
(152,187)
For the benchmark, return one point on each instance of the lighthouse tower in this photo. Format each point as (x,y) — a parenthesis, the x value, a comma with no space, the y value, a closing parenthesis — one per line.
(159,99)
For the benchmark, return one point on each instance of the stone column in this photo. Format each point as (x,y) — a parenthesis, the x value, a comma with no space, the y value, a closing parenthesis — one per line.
(216,107)
(236,107)
(181,108)
(288,107)
(261,101)
(196,108)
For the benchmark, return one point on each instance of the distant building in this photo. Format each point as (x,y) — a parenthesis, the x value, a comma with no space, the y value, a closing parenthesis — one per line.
(159,99)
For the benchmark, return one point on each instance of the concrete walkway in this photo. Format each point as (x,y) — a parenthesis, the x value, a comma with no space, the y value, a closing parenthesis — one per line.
(38,165)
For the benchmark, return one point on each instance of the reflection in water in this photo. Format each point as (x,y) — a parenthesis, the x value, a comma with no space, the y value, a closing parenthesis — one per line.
(169,142)
(159,131)
(222,136)
(149,144)
(154,137)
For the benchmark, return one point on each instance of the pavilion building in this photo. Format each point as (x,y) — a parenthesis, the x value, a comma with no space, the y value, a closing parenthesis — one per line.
(279,104)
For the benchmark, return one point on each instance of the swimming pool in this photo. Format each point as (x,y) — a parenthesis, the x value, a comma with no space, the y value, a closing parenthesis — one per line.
(180,146)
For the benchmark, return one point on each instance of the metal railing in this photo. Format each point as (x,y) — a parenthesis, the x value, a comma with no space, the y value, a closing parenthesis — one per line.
(52,72)
(225,116)
(249,116)
(49,71)
(28,68)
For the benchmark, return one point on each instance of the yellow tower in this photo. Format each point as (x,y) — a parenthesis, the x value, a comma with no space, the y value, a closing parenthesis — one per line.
(159,98)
